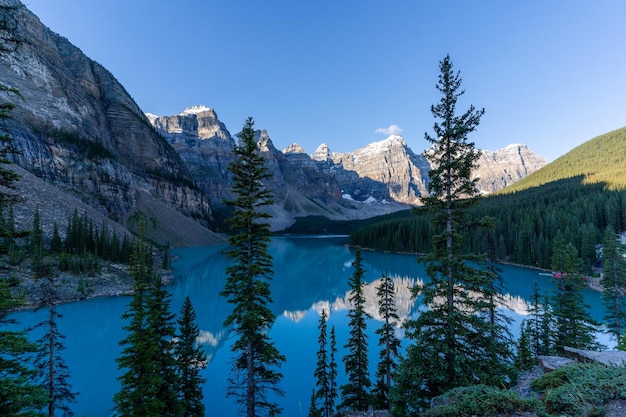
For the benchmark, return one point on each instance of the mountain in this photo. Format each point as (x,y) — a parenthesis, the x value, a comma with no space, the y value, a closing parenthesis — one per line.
(379,178)
(501,168)
(77,128)
(299,185)
(390,162)
(397,173)
(601,159)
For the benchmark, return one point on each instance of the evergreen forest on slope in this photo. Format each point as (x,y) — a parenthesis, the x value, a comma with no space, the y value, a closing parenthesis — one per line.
(599,160)
(579,194)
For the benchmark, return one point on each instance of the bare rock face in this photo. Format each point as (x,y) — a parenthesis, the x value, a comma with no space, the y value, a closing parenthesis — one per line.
(392,163)
(294,148)
(299,187)
(204,144)
(503,167)
(389,169)
(77,127)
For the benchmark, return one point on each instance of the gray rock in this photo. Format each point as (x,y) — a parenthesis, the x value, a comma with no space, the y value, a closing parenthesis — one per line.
(550,363)
(76,126)
(607,358)
(505,166)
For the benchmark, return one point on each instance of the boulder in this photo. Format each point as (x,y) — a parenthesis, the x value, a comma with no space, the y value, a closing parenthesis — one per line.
(550,363)
(607,358)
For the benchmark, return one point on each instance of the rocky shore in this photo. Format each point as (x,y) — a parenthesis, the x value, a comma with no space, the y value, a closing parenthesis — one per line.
(111,281)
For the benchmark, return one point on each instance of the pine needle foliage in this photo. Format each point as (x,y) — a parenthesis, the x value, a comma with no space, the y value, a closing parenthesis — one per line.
(455,337)
(190,360)
(322,370)
(388,342)
(574,326)
(20,392)
(355,393)
(254,370)
(53,372)
(149,383)
(614,281)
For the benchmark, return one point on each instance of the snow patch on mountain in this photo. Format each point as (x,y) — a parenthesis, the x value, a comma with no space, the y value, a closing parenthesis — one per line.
(199,108)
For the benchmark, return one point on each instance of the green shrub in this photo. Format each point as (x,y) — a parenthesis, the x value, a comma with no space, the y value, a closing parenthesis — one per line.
(480,400)
(581,389)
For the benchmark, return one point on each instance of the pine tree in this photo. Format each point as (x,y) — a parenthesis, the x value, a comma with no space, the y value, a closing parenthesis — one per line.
(190,359)
(354,394)
(52,369)
(314,410)
(614,281)
(20,394)
(495,338)
(322,369)
(148,385)
(388,341)
(256,358)
(332,371)
(574,326)
(449,348)
(524,358)
(39,268)
(56,243)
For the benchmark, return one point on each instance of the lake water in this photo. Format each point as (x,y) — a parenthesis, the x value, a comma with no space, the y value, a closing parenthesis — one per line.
(310,274)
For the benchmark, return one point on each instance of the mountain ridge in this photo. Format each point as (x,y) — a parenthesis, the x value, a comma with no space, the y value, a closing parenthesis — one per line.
(77,128)
(382,172)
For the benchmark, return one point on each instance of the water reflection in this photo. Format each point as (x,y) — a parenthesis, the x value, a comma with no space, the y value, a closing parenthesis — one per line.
(310,275)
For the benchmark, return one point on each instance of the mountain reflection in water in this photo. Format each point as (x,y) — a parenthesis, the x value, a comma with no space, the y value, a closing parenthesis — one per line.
(310,275)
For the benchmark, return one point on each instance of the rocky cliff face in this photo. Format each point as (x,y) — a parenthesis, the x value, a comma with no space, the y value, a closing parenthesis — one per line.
(389,169)
(204,144)
(503,167)
(77,127)
(298,186)
(326,182)
(390,163)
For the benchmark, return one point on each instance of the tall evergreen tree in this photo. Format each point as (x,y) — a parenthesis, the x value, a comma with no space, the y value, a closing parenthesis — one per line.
(256,358)
(332,370)
(52,369)
(539,325)
(524,357)
(614,281)
(355,393)
(574,326)
(148,385)
(20,394)
(160,323)
(495,339)
(190,360)
(321,373)
(388,341)
(449,348)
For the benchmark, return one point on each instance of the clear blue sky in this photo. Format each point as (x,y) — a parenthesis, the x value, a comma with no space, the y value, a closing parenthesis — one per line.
(550,74)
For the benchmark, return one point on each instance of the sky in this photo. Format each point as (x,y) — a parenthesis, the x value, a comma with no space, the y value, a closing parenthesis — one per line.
(549,74)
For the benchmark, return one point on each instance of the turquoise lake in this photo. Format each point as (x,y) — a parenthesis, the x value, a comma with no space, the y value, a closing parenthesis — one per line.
(310,274)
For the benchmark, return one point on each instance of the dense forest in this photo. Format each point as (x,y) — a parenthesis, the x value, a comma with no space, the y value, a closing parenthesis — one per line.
(599,160)
(526,223)
(580,194)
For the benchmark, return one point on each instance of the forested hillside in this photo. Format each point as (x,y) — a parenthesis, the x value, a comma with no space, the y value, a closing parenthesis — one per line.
(526,223)
(602,159)
(578,195)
